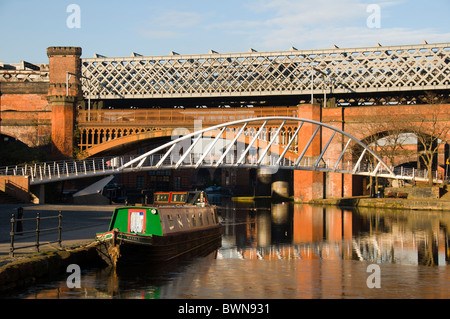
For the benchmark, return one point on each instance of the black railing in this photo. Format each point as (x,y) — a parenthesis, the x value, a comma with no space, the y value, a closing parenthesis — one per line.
(17,229)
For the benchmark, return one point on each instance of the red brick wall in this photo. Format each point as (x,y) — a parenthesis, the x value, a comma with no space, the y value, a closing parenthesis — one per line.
(25,112)
(16,186)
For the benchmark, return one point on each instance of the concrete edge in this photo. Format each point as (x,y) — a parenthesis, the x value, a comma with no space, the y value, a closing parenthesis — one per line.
(386,203)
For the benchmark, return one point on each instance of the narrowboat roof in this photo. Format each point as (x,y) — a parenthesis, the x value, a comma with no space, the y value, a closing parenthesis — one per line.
(162,220)
(180,198)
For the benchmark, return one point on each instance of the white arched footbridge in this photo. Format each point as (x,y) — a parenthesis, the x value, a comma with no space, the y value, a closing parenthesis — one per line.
(248,143)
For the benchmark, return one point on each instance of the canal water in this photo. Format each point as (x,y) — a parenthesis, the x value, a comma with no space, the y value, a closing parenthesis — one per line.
(288,251)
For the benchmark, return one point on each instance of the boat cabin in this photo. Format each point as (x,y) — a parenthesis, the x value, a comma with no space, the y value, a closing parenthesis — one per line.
(197,198)
(174,212)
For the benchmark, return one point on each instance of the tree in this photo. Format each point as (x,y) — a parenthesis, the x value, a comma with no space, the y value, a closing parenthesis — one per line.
(387,138)
(432,130)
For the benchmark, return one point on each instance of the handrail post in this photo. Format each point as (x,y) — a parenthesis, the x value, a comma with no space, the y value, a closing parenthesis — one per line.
(19,222)
(38,222)
(11,247)
(60,229)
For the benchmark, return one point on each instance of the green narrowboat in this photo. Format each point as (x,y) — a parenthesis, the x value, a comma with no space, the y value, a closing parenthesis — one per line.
(177,223)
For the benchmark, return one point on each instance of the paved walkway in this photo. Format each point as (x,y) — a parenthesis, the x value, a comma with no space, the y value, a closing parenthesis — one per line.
(80,223)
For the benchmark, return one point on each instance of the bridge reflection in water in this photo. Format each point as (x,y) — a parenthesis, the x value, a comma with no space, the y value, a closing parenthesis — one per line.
(286,231)
(294,251)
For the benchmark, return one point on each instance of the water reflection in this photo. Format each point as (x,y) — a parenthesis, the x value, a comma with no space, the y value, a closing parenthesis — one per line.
(284,230)
(292,251)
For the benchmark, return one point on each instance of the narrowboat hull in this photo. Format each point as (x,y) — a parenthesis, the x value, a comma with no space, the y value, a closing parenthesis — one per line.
(119,248)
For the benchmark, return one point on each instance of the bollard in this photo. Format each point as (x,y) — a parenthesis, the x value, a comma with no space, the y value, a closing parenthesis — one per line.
(38,223)
(59,229)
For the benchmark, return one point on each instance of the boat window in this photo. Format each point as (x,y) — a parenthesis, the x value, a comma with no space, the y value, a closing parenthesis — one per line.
(213,217)
(170,220)
(207,219)
(194,221)
(162,197)
(200,217)
(189,225)
(179,198)
(180,222)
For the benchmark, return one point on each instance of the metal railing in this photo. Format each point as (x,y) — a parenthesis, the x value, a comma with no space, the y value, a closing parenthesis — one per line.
(63,170)
(46,171)
(17,229)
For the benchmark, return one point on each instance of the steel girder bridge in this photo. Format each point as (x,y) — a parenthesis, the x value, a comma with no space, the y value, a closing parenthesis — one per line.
(229,145)
(367,71)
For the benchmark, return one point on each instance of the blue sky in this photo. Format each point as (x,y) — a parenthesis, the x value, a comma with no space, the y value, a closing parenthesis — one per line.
(117,28)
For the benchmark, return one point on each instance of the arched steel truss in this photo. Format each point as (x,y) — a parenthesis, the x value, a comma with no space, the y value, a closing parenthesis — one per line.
(226,145)
(239,144)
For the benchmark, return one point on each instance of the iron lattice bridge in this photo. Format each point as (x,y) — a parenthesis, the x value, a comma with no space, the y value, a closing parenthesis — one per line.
(358,70)
(230,145)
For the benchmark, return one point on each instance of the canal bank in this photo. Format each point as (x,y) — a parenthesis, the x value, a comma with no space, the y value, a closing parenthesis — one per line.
(385,203)
(25,270)
(80,223)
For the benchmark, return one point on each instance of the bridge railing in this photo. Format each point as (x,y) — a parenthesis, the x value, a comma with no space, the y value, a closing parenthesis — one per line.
(60,169)
(69,169)
(141,117)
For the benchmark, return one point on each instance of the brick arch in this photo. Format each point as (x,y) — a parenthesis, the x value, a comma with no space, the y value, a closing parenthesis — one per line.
(27,136)
(167,132)
(128,138)
(399,158)
(12,136)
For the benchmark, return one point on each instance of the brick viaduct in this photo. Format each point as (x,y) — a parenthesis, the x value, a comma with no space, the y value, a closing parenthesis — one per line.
(39,104)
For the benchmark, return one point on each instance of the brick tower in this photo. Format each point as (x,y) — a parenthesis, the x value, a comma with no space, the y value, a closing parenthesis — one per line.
(63,93)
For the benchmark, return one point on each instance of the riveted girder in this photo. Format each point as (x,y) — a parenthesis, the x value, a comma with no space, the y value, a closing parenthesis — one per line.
(294,72)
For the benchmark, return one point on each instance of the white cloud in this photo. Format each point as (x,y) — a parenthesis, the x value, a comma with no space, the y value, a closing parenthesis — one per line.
(158,34)
(178,19)
(170,25)
(321,23)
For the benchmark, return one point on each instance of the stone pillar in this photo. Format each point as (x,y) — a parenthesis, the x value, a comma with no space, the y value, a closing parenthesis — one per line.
(280,184)
(308,185)
(63,94)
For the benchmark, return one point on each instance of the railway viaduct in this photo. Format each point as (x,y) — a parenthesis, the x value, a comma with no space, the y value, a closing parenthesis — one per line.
(89,107)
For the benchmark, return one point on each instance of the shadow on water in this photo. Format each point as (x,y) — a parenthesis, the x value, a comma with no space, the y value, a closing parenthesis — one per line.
(286,250)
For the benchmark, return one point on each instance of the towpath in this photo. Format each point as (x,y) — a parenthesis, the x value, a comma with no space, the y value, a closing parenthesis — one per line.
(80,223)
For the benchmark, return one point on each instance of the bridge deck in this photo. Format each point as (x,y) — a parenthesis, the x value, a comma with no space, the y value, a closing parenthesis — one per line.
(41,173)
(294,72)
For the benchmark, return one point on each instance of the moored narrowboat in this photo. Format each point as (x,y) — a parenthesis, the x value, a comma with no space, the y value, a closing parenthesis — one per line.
(177,223)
